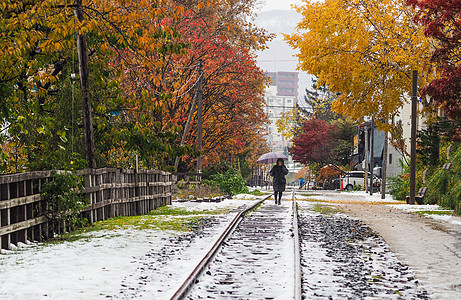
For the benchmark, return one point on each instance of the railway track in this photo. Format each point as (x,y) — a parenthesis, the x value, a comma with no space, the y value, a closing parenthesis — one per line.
(256,257)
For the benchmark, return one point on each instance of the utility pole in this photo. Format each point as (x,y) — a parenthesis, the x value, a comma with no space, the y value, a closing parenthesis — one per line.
(372,154)
(88,134)
(367,160)
(199,115)
(384,169)
(414,109)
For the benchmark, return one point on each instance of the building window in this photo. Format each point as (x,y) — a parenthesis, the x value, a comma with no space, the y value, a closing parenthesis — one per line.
(390,159)
(288,101)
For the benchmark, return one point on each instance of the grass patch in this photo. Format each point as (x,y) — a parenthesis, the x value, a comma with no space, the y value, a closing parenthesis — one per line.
(435,212)
(164,218)
(326,209)
(258,193)
(312,200)
(307,194)
(179,211)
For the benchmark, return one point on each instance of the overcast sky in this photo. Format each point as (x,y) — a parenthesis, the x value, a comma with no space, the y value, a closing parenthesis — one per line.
(279,4)
(278,17)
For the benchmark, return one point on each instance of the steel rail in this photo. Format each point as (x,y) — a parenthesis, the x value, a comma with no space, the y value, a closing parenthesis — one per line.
(297,253)
(192,278)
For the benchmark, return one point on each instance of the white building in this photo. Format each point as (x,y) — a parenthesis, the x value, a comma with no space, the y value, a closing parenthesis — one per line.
(394,155)
(276,106)
(281,96)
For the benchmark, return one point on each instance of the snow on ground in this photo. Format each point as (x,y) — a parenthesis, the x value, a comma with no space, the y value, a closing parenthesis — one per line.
(257,262)
(343,259)
(84,269)
(339,198)
(416,208)
(244,197)
(355,197)
(207,206)
(89,268)
(446,218)
(455,220)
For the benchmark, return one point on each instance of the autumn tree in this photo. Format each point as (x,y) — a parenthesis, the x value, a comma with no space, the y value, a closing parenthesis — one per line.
(441,22)
(290,123)
(39,46)
(221,36)
(142,72)
(323,143)
(364,50)
(320,100)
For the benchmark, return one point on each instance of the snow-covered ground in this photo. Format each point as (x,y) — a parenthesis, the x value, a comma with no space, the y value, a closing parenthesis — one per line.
(128,263)
(84,269)
(93,267)
(343,259)
(257,261)
(354,197)
(340,198)
(430,211)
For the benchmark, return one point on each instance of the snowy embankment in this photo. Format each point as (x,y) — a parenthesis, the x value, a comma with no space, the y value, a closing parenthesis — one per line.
(338,198)
(95,266)
(349,197)
(435,212)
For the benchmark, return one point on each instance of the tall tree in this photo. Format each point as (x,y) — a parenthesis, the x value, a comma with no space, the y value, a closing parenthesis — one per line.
(323,143)
(364,50)
(442,22)
(320,99)
(38,41)
(233,85)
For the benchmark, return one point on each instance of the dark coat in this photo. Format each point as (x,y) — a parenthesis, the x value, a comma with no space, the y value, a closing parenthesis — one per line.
(279,172)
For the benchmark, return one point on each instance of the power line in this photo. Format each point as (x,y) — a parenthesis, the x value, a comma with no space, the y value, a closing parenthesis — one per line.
(276,60)
(291,107)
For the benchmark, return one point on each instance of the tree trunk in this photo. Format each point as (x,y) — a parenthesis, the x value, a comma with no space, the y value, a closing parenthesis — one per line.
(88,134)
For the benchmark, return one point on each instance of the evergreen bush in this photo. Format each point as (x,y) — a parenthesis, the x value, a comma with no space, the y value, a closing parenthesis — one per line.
(63,199)
(230,182)
(444,186)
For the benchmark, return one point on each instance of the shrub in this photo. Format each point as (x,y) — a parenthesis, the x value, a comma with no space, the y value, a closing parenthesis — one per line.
(444,186)
(400,185)
(63,199)
(230,182)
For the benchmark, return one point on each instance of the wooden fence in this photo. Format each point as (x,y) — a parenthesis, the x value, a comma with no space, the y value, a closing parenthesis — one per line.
(110,192)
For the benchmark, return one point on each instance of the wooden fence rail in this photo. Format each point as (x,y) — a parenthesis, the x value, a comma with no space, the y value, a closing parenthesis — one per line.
(110,193)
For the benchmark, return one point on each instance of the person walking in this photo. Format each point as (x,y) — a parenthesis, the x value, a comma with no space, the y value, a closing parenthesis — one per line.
(278,172)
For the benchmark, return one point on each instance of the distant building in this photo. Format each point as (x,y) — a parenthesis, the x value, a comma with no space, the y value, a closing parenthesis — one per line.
(394,156)
(287,83)
(281,96)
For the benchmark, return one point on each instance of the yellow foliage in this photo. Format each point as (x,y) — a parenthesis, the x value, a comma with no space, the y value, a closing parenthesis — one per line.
(286,123)
(363,49)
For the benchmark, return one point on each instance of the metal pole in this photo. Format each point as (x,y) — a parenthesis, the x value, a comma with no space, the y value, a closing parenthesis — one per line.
(384,169)
(414,108)
(367,160)
(199,116)
(372,154)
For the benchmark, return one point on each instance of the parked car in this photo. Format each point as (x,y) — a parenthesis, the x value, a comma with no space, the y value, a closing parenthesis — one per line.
(357,178)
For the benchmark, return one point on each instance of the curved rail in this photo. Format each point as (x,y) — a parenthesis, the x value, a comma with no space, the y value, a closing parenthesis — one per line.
(187,285)
(297,253)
